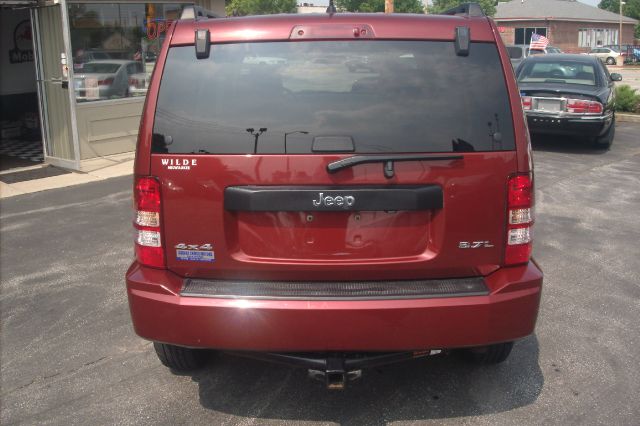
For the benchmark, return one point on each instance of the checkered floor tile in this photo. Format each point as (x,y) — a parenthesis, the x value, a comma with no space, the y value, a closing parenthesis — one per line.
(27,150)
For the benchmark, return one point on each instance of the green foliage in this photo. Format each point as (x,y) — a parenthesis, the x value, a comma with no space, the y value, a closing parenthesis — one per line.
(488,6)
(637,31)
(627,100)
(630,9)
(259,7)
(399,6)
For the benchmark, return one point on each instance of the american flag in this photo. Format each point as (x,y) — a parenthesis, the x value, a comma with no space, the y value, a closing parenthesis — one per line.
(538,42)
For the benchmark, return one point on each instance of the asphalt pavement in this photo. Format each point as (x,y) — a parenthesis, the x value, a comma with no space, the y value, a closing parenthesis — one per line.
(68,353)
(630,76)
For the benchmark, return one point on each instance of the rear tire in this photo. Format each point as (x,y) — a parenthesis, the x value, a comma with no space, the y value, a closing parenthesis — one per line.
(605,141)
(611,61)
(178,358)
(492,354)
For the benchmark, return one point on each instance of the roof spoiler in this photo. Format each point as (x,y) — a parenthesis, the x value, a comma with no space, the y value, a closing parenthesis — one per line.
(196,12)
(465,9)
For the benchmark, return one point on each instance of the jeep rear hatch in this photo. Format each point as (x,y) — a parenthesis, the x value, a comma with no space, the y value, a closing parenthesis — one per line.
(380,159)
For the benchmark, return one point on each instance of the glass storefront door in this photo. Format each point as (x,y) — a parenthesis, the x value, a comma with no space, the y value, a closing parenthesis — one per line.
(53,86)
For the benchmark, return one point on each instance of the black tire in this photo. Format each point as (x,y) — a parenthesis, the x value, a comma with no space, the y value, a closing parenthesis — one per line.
(610,61)
(605,141)
(492,354)
(178,358)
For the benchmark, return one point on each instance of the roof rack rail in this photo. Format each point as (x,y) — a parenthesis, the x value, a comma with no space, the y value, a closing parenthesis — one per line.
(465,9)
(195,12)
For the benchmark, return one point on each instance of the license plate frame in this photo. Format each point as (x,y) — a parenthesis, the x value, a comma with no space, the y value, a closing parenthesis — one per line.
(549,105)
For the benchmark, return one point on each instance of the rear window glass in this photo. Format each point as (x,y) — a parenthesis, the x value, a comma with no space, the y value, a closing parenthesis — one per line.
(514,52)
(564,72)
(386,96)
(100,68)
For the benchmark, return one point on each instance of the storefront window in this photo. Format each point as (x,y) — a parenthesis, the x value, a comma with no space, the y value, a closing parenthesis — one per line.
(523,35)
(597,37)
(115,46)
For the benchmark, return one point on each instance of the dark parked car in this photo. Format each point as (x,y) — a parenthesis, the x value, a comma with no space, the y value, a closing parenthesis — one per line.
(329,219)
(569,95)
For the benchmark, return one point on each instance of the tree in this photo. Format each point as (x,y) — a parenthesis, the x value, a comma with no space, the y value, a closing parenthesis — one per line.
(399,6)
(259,7)
(630,9)
(488,6)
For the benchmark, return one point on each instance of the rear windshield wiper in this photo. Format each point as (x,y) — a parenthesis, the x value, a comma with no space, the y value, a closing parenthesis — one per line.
(388,161)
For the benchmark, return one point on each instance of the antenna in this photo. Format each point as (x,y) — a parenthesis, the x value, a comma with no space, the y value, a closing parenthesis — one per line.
(331,9)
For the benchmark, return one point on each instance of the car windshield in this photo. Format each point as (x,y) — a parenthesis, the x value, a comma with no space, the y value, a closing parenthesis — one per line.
(385,96)
(566,72)
(100,68)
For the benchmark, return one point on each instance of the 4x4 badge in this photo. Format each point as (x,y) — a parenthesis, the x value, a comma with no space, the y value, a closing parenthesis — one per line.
(183,246)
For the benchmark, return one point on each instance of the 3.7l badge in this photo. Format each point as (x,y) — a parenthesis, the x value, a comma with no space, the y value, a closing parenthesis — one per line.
(474,244)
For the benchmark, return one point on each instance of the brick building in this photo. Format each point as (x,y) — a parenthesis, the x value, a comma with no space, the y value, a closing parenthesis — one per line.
(568,24)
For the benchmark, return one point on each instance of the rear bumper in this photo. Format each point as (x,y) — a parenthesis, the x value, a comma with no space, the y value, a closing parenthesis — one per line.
(589,126)
(160,313)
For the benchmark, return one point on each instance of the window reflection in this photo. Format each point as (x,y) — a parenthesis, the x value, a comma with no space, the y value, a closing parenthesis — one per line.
(115,47)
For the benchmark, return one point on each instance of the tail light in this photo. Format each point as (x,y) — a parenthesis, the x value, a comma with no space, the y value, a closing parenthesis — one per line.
(582,106)
(138,84)
(147,201)
(526,103)
(105,82)
(519,219)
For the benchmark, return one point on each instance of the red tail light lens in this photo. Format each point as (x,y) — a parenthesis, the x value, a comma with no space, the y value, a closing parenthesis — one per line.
(520,191)
(147,194)
(519,219)
(526,103)
(147,203)
(105,82)
(138,84)
(583,106)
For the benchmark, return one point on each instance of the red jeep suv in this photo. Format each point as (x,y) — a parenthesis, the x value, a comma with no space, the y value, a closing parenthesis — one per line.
(334,192)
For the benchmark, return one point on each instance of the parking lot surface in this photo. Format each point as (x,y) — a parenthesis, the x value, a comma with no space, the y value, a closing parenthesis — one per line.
(630,76)
(68,353)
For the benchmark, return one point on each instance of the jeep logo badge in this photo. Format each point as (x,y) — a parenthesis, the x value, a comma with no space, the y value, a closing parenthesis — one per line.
(339,200)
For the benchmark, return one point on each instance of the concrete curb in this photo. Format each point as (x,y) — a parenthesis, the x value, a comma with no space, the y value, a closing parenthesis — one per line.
(123,168)
(627,118)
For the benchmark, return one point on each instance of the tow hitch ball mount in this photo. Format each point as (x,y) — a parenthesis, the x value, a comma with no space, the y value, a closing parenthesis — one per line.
(341,370)
(335,376)
(337,369)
